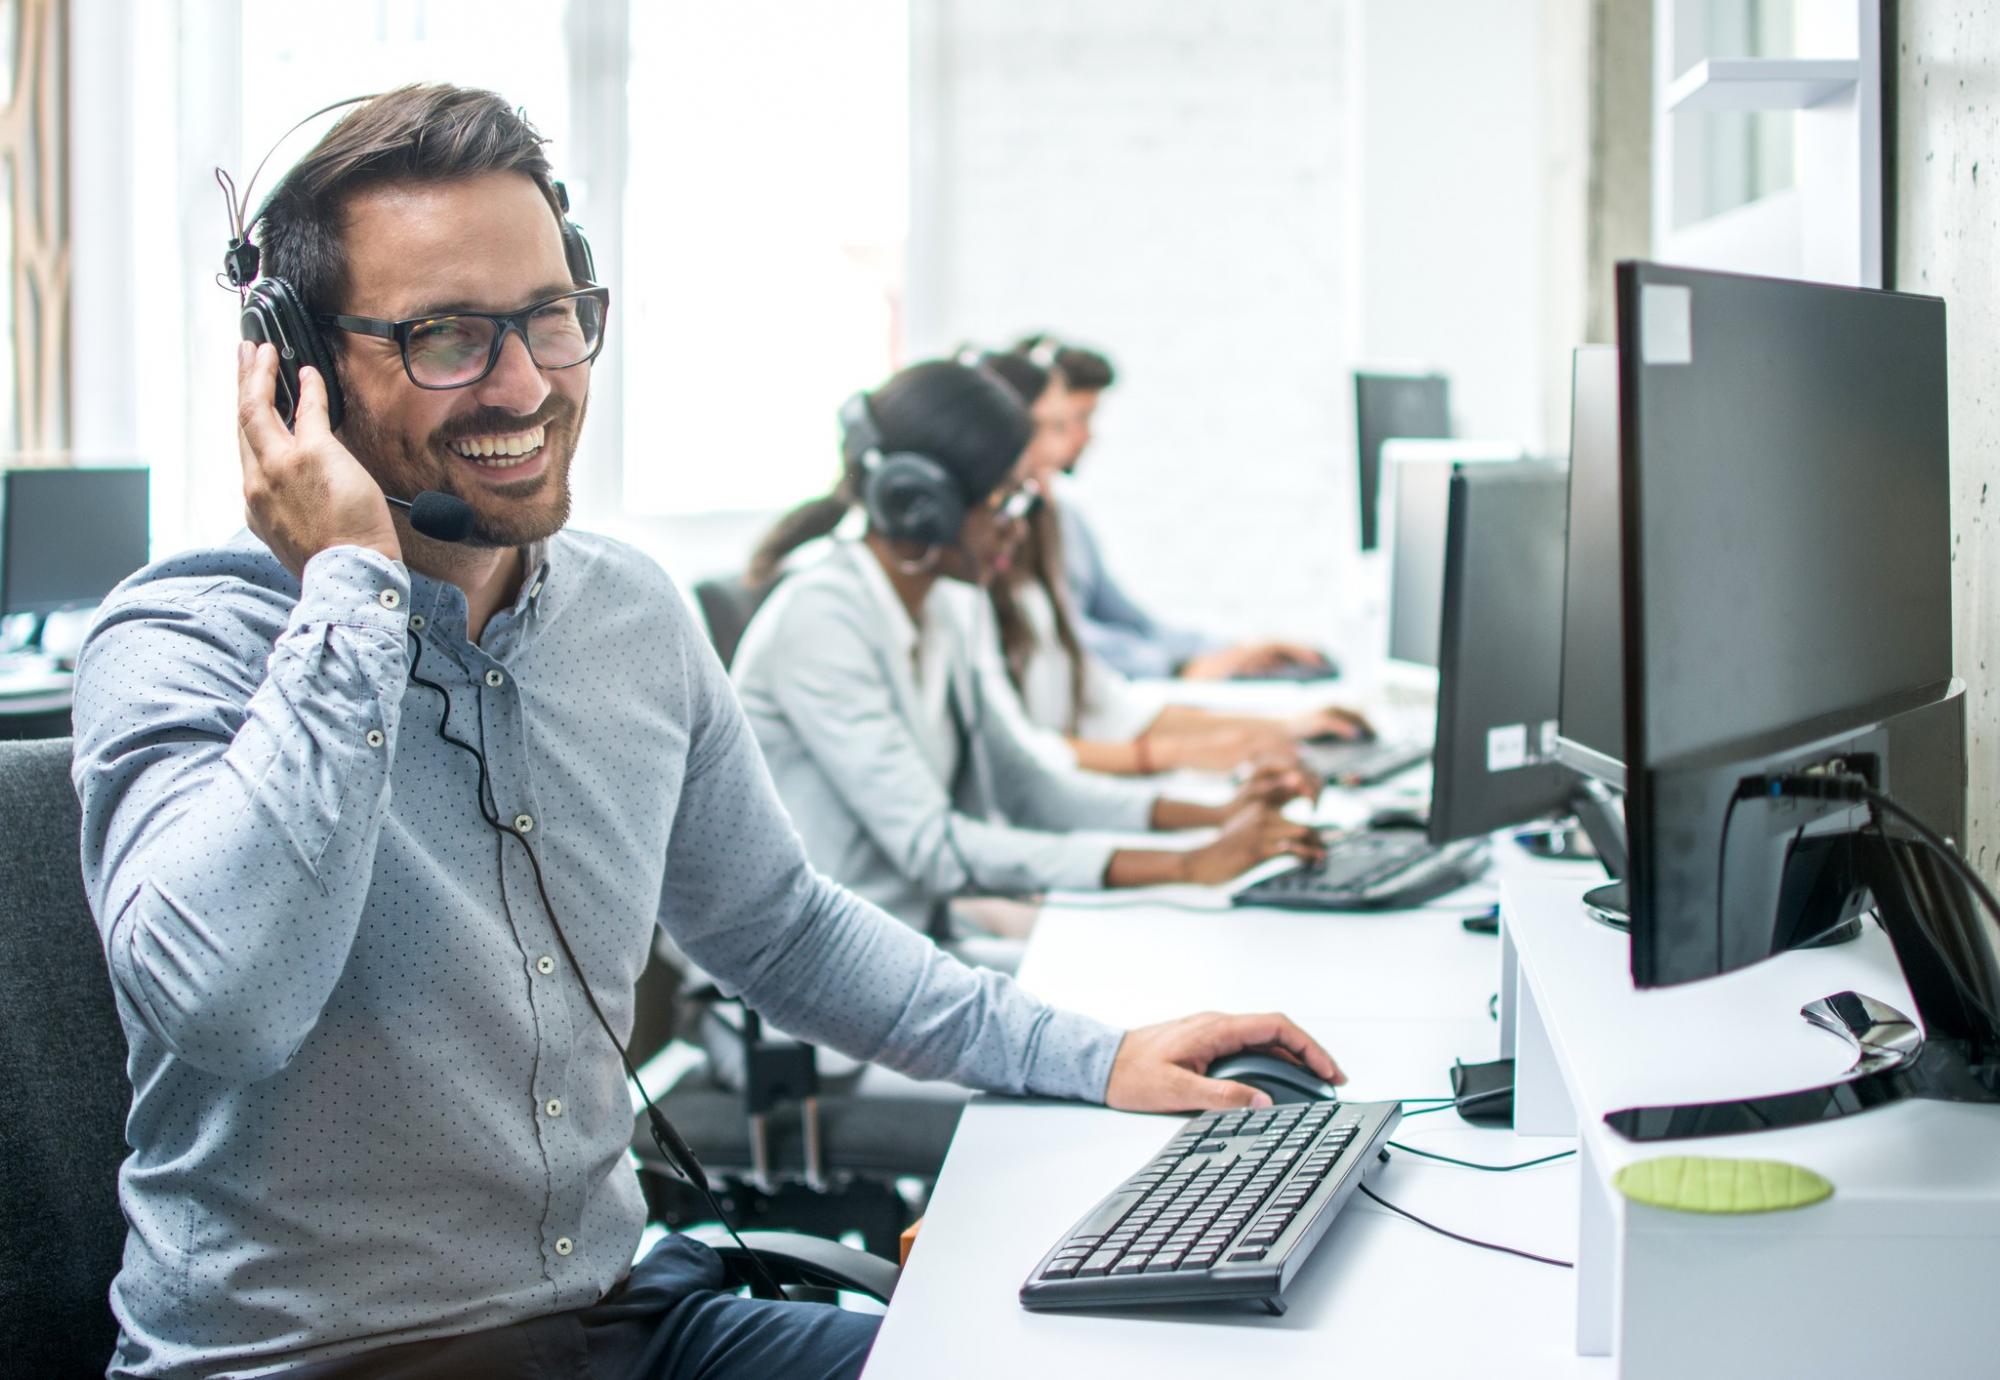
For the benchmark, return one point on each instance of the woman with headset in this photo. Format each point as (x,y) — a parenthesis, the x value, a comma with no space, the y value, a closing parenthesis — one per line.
(858,677)
(1065,688)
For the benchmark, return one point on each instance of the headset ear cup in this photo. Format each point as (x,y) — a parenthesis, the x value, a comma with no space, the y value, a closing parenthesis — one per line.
(273,312)
(910,498)
(576,249)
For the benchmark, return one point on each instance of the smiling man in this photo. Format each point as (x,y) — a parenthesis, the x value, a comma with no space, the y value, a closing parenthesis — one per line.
(376,1126)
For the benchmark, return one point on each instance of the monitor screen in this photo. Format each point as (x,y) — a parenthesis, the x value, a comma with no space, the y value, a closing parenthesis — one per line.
(1787,518)
(1385,406)
(1499,652)
(1422,490)
(1593,626)
(68,536)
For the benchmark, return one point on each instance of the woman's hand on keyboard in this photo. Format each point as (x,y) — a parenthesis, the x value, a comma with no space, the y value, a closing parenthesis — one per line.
(1249,836)
(1159,1068)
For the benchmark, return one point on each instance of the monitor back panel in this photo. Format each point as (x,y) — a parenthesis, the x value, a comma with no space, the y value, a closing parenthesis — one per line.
(68,536)
(1592,712)
(1500,645)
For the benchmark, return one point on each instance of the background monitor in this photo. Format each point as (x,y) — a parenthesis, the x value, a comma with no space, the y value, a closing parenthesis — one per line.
(1592,699)
(68,536)
(1416,483)
(1785,487)
(1388,405)
(1416,559)
(1499,651)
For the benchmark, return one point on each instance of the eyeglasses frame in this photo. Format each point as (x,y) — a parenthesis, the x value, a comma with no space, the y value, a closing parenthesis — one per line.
(506,323)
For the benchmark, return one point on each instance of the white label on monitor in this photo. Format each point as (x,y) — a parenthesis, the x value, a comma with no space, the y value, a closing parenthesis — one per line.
(1549,734)
(1507,747)
(1666,324)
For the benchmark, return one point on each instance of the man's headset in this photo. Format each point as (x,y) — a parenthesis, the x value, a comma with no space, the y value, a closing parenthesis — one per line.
(908,497)
(274,311)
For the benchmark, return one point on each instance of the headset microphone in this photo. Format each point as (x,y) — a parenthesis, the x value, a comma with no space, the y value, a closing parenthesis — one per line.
(441,517)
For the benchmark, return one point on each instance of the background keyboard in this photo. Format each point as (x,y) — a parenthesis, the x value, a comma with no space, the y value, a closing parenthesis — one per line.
(1372,869)
(1363,764)
(1228,1210)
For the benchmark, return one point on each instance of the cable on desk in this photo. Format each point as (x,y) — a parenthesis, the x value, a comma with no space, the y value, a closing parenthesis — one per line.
(1448,1103)
(1474,1164)
(1470,1241)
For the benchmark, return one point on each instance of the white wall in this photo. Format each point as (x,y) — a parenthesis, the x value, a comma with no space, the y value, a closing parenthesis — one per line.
(1236,201)
(1167,180)
(1948,243)
(1451,164)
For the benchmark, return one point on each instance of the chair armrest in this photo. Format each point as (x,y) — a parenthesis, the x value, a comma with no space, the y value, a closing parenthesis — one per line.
(795,1258)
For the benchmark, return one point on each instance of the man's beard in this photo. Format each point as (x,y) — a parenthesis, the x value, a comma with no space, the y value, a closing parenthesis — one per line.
(535,511)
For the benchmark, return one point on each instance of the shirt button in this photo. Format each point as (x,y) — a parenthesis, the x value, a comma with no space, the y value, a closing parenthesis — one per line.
(495,679)
(390,598)
(375,738)
(553,1106)
(535,591)
(418,622)
(564,1245)
(545,965)
(523,823)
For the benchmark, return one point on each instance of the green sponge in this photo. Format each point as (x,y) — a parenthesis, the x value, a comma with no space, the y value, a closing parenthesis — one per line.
(1696,1183)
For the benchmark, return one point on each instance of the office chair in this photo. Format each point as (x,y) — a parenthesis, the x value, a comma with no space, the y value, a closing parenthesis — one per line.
(62,1079)
(784,1144)
(727,604)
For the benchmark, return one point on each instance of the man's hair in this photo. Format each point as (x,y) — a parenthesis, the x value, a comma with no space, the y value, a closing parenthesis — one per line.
(431,133)
(1085,371)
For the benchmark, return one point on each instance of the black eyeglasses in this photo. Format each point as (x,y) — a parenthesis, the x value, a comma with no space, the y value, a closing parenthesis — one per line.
(460,349)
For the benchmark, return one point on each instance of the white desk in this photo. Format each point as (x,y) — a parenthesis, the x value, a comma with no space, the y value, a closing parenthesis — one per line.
(1893,1275)
(1396,997)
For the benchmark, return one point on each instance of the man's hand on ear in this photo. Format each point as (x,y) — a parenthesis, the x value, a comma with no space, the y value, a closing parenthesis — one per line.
(303,491)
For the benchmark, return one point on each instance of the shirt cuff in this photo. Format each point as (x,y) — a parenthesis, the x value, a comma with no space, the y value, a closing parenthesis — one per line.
(1074,1056)
(357,586)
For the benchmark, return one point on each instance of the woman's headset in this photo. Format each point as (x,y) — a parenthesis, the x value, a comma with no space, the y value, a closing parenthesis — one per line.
(908,497)
(273,310)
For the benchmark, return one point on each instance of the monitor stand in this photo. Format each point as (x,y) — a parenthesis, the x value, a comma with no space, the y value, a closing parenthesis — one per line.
(1601,816)
(1954,1056)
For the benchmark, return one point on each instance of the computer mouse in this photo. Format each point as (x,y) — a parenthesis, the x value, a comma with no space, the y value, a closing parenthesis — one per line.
(1399,817)
(1279,1079)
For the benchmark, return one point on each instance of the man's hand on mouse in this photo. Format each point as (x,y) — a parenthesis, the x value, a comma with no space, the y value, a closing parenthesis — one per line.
(1160,1068)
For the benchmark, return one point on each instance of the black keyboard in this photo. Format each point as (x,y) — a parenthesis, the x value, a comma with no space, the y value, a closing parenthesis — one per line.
(1229,1210)
(1372,869)
(1363,764)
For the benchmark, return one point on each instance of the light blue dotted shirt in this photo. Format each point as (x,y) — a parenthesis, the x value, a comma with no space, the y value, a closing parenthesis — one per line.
(370,1104)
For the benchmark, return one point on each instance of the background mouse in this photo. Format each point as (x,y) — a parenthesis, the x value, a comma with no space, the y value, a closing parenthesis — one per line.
(1399,817)
(1279,1079)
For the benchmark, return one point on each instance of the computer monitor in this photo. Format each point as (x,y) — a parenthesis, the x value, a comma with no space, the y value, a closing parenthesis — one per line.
(1416,559)
(1417,483)
(68,536)
(1499,652)
(1591,714)
(1387,405)
(1786,575)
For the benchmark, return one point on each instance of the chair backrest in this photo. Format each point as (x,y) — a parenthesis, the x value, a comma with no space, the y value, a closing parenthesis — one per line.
(62,1080)
(727,605)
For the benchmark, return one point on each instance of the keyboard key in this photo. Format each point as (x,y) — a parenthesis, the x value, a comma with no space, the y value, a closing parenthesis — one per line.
(1131,1265)
(1060,1269)
(1253,1253)
(1099,1264)
(1160,1264)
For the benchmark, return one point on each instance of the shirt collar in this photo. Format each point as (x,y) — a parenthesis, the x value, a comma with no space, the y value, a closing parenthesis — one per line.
(888,603)
(442,606)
